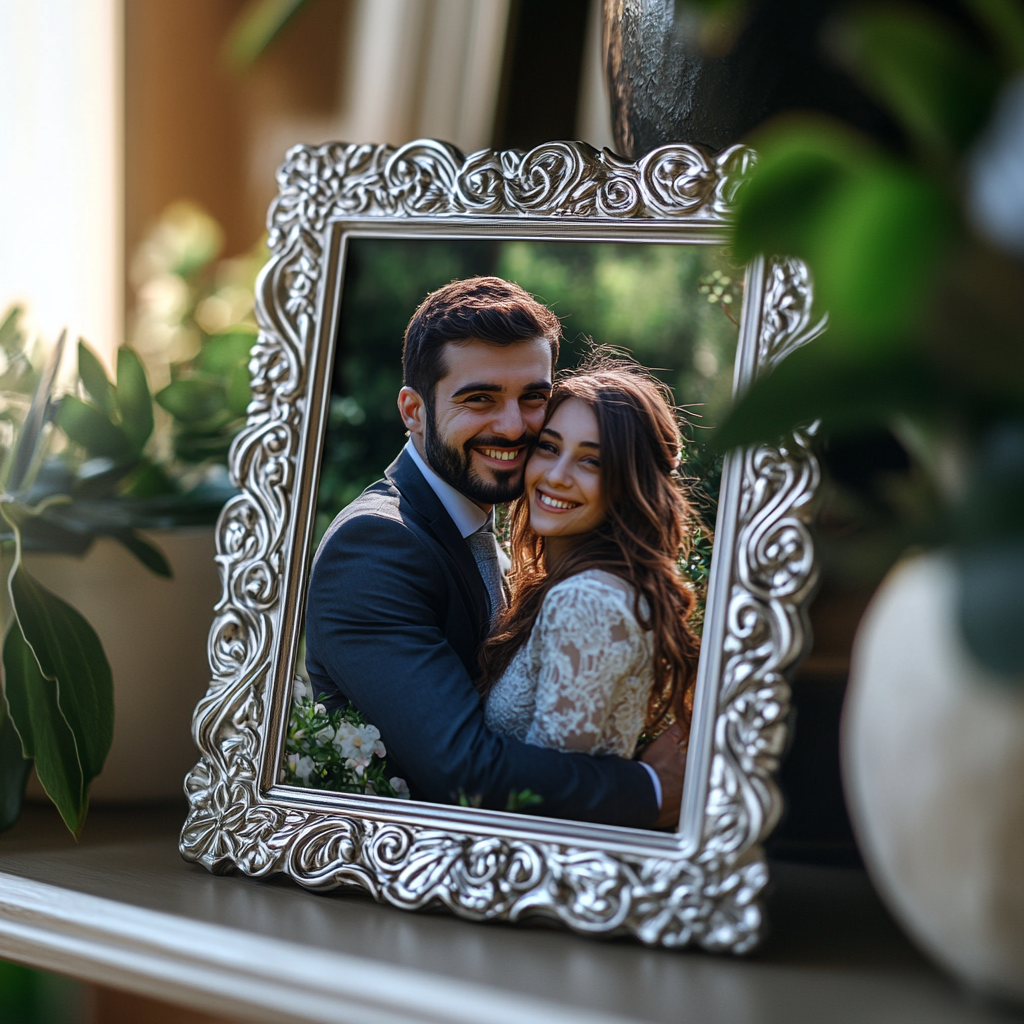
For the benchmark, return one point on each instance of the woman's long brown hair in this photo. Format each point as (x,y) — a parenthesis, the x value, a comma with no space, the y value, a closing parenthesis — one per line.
(646,529)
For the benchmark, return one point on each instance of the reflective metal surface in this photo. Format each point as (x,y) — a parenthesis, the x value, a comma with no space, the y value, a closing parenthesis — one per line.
(698,887)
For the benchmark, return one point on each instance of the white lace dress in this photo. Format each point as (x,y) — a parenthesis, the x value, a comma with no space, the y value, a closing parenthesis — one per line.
(583,679)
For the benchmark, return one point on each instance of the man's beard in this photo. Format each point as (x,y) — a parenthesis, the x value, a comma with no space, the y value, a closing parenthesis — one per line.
(454,466)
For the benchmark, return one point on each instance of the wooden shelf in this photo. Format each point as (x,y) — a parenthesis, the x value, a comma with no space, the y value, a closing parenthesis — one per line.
(122,909)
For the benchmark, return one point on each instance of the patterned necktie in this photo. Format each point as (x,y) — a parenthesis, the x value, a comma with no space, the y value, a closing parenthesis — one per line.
(484,547)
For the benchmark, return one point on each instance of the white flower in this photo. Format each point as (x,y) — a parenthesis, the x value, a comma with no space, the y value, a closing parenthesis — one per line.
(343,738)
(293,759)
(401,787)
(358,743)
(366,738)
(300,691)
(304,768)
(358,765)
(324,736)
(379,749)
(320,709)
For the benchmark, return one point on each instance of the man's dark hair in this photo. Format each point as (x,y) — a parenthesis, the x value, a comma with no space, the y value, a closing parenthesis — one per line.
(487,308)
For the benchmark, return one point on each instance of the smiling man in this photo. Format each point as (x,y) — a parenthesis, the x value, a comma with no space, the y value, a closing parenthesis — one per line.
(409,578)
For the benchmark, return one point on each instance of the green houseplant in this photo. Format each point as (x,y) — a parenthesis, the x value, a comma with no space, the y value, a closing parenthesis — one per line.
(58,692)
(107,459)
(58,706)
(75,468)
(926,334)
(916,248)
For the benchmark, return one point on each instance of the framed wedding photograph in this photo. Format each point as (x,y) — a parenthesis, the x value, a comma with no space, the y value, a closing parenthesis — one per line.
(500,631)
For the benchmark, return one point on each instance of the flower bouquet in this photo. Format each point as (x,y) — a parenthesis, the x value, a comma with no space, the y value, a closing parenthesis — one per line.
(335,750)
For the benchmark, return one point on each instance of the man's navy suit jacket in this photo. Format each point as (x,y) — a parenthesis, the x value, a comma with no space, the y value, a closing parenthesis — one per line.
(395,614)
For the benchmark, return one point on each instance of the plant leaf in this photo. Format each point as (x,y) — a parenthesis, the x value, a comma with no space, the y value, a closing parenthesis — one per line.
(44,731)
(834,382)
(32,429)
(878,250)
(14,771)
(133,398)
(193,400)
(69,652)
(11,337)
(256,27)
(99,477)
(196,447)
(86,425)
(223,352)
(937,84)
(148,554)
(874,232)
(94,379)
(148,480)
(802,165)
(59,689)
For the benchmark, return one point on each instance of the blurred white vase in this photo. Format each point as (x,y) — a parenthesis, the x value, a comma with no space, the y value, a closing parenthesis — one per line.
(154,632)
(933,765)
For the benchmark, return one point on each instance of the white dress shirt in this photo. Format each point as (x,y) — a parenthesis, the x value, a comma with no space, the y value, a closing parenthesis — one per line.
(468,517)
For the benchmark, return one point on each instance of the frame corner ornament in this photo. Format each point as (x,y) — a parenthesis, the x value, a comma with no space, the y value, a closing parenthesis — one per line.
(706,894)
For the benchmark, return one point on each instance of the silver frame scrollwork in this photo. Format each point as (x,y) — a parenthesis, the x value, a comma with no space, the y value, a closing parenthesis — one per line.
(698,886)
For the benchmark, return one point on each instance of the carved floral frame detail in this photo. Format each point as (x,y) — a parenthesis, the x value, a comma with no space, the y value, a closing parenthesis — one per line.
(700,886)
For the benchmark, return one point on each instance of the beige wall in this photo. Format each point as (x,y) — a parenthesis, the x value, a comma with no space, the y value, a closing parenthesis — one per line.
(97,147)
(190,121)
(359,70)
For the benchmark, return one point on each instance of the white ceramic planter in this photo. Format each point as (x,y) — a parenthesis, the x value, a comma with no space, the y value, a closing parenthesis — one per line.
(933,764)
(154,632)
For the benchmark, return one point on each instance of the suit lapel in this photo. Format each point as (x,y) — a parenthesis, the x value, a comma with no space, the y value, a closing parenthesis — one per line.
(406,476)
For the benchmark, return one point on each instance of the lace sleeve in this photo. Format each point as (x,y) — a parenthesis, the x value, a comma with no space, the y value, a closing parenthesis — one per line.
(591,694)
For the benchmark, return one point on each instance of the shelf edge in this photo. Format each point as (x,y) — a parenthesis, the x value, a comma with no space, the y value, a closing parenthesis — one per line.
(227,971)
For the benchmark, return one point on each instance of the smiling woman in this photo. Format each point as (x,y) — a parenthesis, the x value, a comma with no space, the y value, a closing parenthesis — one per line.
(563,480)
(596,648)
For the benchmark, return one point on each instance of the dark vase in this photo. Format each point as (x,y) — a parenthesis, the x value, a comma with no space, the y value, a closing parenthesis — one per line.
(665,86)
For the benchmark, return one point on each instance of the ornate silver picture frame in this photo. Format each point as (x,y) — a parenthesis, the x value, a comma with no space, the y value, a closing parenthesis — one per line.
(698,886)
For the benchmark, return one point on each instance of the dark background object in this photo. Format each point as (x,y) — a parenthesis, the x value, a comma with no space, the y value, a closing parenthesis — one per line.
(667,85)
(541,77)
(815,827)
